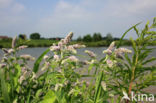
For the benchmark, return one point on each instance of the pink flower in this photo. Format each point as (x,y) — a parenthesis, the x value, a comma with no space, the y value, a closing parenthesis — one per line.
(76,46)
(56,57)
(27,57)
(110,48)
(10,51)
(109,63)
(2,65)
(71,49)
(22,47)
(68,38)
(73,58)
(20,80)
(90,53)
(122,50)
(45,57)
(55,48)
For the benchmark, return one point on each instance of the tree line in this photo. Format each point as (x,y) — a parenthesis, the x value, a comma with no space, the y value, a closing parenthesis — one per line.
(96,37)
(86,38)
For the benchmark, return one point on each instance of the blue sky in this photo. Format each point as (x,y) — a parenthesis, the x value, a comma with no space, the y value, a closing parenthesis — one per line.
(55,18)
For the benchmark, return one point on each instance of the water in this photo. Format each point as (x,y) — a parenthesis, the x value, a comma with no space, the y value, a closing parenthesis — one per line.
(36,52)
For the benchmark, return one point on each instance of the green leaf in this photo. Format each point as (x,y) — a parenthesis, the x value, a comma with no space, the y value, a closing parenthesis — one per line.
(18,73)
(50,97)
(4,87)
(38,61)
(98,87)
(125,34)
(149,60)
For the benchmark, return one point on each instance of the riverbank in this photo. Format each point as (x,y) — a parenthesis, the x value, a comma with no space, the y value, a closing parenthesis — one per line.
(47,43)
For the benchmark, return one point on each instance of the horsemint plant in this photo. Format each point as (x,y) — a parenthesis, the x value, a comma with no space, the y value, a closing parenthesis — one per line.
(54,77)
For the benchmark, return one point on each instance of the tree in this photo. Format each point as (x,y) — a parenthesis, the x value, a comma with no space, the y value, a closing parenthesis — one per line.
(79,38)
(35,36)
(87,38)
(97,37)
(109,37)
(22,36)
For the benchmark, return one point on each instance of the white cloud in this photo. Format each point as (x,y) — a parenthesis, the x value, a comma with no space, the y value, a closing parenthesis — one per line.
(81,17)
(11,17)
(90,16)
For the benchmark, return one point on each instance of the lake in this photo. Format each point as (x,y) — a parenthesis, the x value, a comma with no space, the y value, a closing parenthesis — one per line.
(36,52)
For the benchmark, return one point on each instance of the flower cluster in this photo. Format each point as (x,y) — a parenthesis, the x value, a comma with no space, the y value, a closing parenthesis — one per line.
(111,50)
(90,53)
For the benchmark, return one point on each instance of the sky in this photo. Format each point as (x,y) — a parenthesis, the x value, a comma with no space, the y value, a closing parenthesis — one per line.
(56,18)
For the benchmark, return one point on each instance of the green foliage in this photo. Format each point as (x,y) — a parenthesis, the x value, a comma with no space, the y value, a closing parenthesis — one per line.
(109,37)
(79,38)
(87,38)
(97,37)
(35,36)
(38,61)
(55,78)
(22,36)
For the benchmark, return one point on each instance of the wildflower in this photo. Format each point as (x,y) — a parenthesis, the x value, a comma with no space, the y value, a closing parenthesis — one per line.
(109,63)
(56,57)
(24,69)
(10,51)
(90,53)
(111,95)
(68,38)
(57,86)
(110,48)
(107,51)
(47,64)
(89,62)
(76,46)
(2,65)
(71,92)
(27,57)
(22,77)
(87,84)
(103,84)
(71,49)
(86,62)
(122,50)
(22,47)
(73,58)
(60,44)
(55,48)
(14,42)
(45,57)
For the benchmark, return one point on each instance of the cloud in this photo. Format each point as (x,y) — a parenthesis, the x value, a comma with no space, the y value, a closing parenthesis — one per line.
(11,17)
(81,17)
(88,16)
